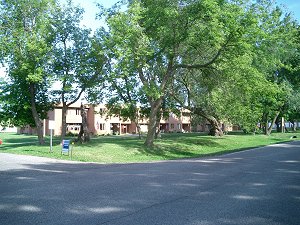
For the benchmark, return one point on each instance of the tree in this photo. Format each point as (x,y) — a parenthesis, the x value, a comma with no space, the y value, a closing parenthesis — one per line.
(84,135)
(290,74)
(77,65)
(25,45)
(124,93)
(16,107)
(276,47)
(154,42)
(239,87)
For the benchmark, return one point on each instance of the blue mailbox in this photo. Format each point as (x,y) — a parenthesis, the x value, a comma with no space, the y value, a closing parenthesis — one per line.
(65,147)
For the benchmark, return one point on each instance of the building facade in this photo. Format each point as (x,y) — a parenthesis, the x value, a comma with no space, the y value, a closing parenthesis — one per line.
(101,123)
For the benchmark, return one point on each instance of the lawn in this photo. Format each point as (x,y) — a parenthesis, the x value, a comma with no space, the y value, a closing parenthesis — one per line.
(112,149)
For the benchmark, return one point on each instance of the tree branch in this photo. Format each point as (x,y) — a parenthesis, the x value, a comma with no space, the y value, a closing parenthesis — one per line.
(205,65)
(76,99)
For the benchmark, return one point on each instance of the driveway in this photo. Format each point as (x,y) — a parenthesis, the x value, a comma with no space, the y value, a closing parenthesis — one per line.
(254,187)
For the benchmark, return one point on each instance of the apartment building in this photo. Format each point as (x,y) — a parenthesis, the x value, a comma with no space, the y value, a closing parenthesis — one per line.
(73,120)
(100,123)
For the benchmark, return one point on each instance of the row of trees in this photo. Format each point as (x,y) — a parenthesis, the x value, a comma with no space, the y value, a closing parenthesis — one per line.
(229,61)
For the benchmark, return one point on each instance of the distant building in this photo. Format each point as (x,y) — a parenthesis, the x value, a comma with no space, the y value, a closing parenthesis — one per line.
(100,123)
(8,129)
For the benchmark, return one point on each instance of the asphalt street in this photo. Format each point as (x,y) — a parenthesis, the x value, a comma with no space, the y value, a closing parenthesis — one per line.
(254,187)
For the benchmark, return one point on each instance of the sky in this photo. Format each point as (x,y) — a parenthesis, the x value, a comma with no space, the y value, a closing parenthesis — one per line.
(91,9)
(292,6)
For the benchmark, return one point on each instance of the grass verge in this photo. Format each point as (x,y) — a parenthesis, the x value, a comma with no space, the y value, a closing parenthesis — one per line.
(124,149)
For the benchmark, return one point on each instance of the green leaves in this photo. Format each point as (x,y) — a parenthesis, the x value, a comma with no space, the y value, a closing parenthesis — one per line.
(25,43)
(208,54)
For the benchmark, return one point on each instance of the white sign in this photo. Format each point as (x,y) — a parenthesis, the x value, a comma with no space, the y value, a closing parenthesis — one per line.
(51,124)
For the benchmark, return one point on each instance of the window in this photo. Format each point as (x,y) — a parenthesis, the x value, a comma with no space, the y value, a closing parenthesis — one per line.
(102,126)
(78,111)
(73,127)
(178,126)
(172,125)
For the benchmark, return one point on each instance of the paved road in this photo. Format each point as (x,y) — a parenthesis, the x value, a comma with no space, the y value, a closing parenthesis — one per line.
(255,187)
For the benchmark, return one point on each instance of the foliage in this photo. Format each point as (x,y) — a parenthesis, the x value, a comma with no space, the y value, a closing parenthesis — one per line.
(16,107)
(153,43)
(241,85)
(291,74)
(25,45)
(227,61)
(78,60)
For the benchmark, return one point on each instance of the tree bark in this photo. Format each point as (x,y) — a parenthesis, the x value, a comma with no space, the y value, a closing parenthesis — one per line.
(155,107)
(64,120)
(84,135)
(265,122)
(215,129)
(38,123)
(269,129)
(157,125)
(64,112)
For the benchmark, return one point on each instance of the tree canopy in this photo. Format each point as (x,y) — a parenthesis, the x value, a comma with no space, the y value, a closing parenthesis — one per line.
(25,46)
(232,62)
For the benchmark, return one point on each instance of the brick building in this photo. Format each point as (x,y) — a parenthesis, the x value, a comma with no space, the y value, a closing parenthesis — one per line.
(100,123)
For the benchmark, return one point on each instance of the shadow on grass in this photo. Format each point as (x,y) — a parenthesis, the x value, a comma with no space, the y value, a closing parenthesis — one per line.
(18,140)
(170,146)
(129,148)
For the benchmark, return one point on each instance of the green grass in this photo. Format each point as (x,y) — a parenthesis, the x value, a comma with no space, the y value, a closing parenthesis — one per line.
(124,149)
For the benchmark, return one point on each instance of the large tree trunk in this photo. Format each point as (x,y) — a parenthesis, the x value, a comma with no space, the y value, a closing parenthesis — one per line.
(84,135)
(38,123)
(216,129)
(269,129)
(64,120)
(157,130)
(155,107)
(64,112)
(265,122)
